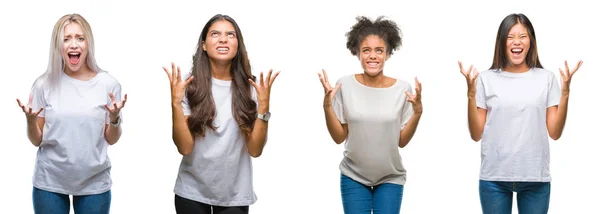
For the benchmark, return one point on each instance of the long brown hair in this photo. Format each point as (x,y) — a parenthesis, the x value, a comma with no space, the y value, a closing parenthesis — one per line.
(500,59)
(199,91)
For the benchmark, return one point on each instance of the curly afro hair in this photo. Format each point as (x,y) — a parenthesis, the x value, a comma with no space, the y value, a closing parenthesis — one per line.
(386,29)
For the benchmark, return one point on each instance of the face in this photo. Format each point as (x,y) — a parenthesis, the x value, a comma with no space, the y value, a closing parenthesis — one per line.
(517,45)
(221,42)
(74,47)
(372,54)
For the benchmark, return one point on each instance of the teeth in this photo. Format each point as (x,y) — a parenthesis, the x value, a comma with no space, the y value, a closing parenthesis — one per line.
(519,50)
(222,49)
(74,54)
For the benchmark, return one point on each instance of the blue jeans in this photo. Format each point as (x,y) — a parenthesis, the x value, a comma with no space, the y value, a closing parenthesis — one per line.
(497,197)
(56,203)
(358,198)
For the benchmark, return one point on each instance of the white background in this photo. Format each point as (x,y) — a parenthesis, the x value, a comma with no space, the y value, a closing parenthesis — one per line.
(298,171)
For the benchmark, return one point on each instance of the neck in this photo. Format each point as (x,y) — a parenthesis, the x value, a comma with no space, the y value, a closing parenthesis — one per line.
(84,73)
(520,68)
(220,71)
(376,81)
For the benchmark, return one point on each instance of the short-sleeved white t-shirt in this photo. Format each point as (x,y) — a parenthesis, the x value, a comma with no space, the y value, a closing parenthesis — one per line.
(219,170)
(72,157)
(515,145)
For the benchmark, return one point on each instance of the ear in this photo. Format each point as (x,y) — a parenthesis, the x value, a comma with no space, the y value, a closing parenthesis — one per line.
(387,56)
(203,46)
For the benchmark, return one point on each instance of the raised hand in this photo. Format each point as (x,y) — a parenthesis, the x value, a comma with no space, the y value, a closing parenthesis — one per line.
(329,91)
(415,99)
(471,77)
(177,84)
(567,74)
(29,113)
(113,113)
(263,88)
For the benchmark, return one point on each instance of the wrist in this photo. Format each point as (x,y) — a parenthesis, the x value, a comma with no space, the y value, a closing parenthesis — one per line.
(114,119)
(262,109)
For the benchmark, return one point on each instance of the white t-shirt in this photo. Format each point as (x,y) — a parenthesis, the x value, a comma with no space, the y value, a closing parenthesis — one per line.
(375,117)
(71,158)
(515,146)
(219,170)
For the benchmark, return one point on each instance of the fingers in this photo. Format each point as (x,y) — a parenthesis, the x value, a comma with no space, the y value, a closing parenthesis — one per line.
(178,74)
(334,90)
(39,111)
(268,79)
(188,81)
(274,77)
(253,83)
(124,101)
(19,102)
(262,82)
(325,76)
(562,74)
(173,74)
(475,75)
(167,72)
(322,79)
(108,108)
(462,70)
(567,67)
(417,86)
(577,67)
(112,97)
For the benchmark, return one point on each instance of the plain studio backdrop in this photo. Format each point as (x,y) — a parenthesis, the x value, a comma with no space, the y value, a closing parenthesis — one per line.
(298,171)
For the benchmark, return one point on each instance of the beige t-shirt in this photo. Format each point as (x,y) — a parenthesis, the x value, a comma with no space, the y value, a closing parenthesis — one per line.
(375,117)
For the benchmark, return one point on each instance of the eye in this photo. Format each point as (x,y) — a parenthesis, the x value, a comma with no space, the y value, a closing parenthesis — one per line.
(366,51)
(65,39)
(231,35)
(214,34)
(80,39)
(379,51)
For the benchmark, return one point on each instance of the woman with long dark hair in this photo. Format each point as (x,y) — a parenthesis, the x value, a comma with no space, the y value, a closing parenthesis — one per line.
(220,116)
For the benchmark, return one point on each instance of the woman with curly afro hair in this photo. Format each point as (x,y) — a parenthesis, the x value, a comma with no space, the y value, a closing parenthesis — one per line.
(374,114)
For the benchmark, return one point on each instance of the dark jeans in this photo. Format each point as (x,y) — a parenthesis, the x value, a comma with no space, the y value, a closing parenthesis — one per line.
(45,202)
(497,197)
(187,206)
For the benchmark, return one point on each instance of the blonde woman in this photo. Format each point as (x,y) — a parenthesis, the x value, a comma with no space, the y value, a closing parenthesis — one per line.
(73,115)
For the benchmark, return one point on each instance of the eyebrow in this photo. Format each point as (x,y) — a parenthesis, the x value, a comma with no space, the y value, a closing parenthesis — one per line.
(370,48)
(216,31)
(77,35)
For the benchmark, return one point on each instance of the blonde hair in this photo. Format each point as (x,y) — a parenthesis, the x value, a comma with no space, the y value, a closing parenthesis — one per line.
(56,62)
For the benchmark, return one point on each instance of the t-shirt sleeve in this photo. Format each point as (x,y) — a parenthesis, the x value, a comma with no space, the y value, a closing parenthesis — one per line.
(37,95)
(116,91)
(338,105)
(553,91)
(480,94)
(407,109)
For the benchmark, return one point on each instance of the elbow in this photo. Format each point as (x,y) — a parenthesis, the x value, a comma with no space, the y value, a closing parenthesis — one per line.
(554,136)
(475,138)
(255,154)
(184,151)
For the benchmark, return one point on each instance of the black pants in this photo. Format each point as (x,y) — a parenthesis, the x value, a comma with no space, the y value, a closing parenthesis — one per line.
(187,206)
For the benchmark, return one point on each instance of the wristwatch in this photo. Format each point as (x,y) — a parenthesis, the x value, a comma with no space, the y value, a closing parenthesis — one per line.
(264,117)
(116,124)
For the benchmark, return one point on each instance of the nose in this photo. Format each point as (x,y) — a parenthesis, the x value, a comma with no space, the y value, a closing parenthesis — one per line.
(223,39)
(372,55)
(73,44)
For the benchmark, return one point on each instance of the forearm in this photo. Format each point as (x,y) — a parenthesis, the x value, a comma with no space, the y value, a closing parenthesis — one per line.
(475,122)
(560,119)
(34,132)
(409,129)
(258,137)
(181,134)
(112,134)
(335,128)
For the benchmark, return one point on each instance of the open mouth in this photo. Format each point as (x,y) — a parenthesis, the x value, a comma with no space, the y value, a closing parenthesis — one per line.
(222,49)
(372,64)
(516,51)
(74,58)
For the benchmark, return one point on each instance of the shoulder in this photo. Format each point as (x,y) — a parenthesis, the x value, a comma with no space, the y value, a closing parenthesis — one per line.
(543,72)
(345,79)
(402,83)
(108,79)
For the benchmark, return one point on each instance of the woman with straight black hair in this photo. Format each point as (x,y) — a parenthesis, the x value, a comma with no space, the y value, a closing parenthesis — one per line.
(512,108)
